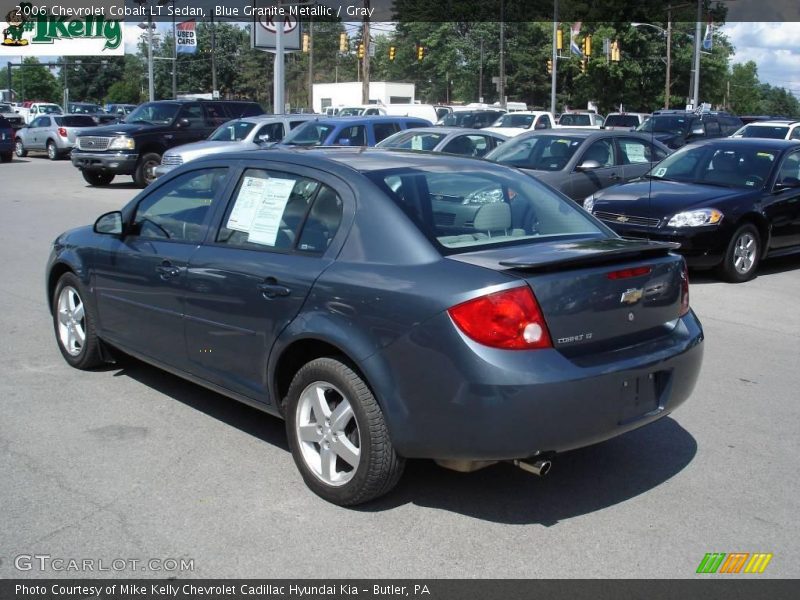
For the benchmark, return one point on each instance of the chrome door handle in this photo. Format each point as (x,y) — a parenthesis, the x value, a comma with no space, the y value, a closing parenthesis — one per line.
(167,270)
(272,289)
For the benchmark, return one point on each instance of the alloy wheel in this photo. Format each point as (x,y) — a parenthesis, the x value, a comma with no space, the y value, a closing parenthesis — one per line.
(744,252)
(327,433)
(71,321)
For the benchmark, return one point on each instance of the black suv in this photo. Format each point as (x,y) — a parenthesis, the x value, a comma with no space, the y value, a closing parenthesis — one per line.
(676,128)
(134,147)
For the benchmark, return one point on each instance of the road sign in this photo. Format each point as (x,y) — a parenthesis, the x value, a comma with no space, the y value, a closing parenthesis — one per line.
(265,27)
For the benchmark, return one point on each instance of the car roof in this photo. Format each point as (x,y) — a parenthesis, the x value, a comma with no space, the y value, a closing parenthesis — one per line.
(763,143)
(773,122)
(364,119)
(447,130)
(362,159)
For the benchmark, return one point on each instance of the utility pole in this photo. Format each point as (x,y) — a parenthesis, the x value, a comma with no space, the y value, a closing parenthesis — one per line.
(553,80)
(697,42)
(151,84)
(669,55)
(365,79)
(502,86)
(66,87)
(174,54)
(311,63)
(480,76)
(214,54)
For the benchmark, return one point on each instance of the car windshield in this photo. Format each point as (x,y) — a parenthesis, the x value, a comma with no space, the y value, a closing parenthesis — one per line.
(740,167)
(777,132)
(477,208)
(309,134)
(622,121)
(539,152)
(459,119)
(514,120)
(157,113)
(234,131)
(660,124)
(572,120)
(350,111)
(49,109)
(74,121)
(6,108)
(411,140)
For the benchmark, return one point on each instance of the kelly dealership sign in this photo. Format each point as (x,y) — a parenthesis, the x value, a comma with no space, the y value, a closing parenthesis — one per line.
(60,30)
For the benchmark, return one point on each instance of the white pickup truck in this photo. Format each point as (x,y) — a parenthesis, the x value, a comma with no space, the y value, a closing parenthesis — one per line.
(39,108)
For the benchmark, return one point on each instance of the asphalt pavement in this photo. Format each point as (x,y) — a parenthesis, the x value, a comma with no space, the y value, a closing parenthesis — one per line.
(130,463)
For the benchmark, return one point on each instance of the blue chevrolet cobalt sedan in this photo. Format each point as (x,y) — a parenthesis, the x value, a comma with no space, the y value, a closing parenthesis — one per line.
(388,306)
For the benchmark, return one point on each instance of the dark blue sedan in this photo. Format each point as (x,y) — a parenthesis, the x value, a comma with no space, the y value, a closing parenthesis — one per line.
(729,203)
(388,306)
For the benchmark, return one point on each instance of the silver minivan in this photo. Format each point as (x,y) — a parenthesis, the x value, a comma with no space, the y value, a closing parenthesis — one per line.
(54,134)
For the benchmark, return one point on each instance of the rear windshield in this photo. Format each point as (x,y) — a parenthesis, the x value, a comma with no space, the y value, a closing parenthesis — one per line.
(234,131)
(571,120)
(514,120)
(765,131)
(75,121)
(309,134)
(663,124)
(476,209)
(622,121)
(410,140)
(540,152)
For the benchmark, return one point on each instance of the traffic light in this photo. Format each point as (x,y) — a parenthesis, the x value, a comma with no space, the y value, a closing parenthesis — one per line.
(584,64)
(587,45)
(392,52)
(549,66)
(343,42)
(615,53)
(420,52)
(306,42)
(559,39)
(360,50)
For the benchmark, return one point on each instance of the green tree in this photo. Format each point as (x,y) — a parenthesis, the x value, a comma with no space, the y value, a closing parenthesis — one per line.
(745,97)
(33,81)
(90,77)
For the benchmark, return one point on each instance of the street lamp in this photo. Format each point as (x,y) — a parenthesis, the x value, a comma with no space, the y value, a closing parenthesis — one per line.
(668,33)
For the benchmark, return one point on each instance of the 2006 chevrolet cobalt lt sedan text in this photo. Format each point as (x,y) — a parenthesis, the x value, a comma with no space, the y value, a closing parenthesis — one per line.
(388,305)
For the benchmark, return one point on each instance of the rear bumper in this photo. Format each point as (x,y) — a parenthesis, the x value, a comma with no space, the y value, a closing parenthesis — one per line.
(118,163)
(446,397)
(6,146)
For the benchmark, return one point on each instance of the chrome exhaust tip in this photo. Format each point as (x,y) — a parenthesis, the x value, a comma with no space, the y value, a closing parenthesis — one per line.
(540,468)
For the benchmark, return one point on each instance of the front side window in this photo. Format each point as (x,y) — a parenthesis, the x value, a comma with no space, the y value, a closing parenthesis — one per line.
(539,152)
(193,112)
(310,134)
(601,151)
(354,135)
(384,130)
(411,140)
(271,210)
(478,208)
(154,113)
(177,210)
(272,131)
(790,169)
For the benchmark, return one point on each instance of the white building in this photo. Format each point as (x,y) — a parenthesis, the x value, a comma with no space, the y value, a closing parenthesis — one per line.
(349,94)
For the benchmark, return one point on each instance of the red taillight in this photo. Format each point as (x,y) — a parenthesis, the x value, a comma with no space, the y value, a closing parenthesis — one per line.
(62,132)
(628,273)
(684,290)
(511,319)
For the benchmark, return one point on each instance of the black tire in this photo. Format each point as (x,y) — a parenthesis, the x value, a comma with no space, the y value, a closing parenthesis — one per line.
(97,178)
(86,354)
(379,467)
(7,156)
(52,151)
(145,168)
(742,255)
(19,148)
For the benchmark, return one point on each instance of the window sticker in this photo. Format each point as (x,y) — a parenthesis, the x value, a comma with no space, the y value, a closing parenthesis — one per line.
(660,172)
(416,143)
(259,208)
(635,153)
(268,216)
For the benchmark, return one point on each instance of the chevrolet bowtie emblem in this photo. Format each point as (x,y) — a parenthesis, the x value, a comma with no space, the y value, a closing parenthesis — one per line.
(631,296)
(623,219)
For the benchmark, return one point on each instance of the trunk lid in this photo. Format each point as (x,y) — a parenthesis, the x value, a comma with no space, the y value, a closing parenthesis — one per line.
(595,293)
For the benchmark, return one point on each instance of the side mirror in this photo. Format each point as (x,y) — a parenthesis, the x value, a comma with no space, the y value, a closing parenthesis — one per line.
(787,183)
(109,223)
(344,142)
(540,125)
(588,165)
(182,123)
(697,131)
(263,138)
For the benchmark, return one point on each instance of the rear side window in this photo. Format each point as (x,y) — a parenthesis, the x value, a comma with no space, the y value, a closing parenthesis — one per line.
(540,152)
(633,151)
(712,127)
(75,121)
(415,124)
(384,130)
(271,210)
(479,208)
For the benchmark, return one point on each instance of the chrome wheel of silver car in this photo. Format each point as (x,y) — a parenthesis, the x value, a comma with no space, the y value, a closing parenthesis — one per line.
(327,433)
(71,321)
(744,252)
